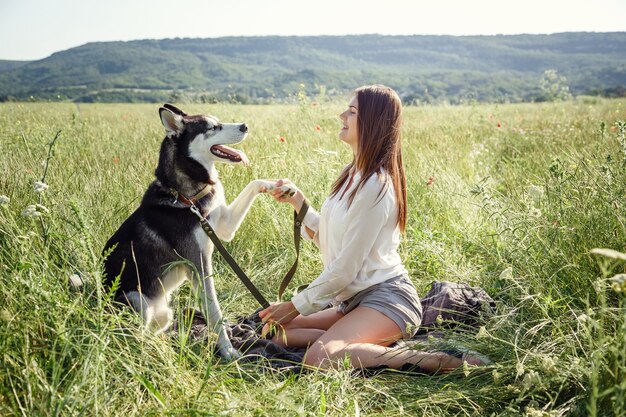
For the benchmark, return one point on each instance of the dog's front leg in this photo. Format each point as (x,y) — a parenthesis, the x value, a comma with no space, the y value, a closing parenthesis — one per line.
(231,216)
(213,313)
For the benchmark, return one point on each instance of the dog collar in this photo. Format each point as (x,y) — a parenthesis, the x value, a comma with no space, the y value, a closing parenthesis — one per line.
(193,200)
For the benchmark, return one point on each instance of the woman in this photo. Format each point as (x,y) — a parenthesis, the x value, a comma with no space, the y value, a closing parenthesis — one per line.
(358,232)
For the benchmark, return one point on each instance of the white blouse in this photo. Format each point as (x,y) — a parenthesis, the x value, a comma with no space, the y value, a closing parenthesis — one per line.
(358,243)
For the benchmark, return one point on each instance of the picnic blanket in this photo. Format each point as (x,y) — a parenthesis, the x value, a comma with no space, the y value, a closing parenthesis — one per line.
(446,305)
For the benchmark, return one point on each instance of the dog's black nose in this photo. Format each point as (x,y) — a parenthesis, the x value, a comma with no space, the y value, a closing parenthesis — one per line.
(243,128)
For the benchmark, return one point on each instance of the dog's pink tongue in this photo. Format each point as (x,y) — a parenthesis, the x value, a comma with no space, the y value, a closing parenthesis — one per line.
(244,158)
(234,152)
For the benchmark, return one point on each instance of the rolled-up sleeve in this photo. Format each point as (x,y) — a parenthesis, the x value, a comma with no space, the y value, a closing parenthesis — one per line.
(312,221)
(367,215)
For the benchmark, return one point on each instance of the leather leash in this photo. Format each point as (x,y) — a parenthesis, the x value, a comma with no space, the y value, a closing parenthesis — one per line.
(297,223)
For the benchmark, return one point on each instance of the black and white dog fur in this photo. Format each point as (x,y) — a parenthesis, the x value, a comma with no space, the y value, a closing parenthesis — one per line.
(163,229)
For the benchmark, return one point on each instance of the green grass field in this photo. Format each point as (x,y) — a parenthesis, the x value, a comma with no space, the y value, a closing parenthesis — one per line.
(509,197)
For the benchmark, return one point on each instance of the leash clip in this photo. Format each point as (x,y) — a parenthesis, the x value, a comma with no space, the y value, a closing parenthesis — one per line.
(195,211)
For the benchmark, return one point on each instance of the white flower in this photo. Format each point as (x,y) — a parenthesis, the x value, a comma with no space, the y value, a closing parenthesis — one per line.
(30,211)
(34,210)
(535,212)
(519,368)
(535,192)
(506,274)
(4,200)
(549,364)
(40,187)
(531,380)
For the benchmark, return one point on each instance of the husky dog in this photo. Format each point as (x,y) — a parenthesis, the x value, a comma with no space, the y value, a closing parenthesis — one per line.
(163,229)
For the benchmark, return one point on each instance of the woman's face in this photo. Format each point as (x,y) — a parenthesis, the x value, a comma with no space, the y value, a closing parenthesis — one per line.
(349,133)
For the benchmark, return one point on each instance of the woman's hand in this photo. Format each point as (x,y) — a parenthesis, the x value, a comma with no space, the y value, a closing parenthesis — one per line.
(277,314)
(285,191)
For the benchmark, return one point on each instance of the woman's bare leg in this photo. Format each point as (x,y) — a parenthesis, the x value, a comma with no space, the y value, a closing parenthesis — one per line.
(364,335)
(304,330)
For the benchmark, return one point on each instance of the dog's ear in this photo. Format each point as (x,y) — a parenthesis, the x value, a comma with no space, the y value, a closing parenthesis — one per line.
(174,109)
(173,122)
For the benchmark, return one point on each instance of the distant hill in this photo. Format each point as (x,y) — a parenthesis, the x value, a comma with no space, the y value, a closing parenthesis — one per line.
(268,69)
(9,65)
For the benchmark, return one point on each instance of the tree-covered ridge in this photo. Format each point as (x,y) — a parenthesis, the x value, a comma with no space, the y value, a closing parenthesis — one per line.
(6,65)
(265,69)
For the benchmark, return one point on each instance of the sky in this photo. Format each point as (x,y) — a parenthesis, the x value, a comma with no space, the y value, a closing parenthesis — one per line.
(34,29)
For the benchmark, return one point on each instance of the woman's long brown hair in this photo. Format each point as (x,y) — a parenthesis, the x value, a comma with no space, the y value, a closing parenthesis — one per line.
(379,125)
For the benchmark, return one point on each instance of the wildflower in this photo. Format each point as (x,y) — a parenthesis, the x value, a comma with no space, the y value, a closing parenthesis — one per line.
(4,200)
(549,364)
(519,368)
(40,187)
(116,160)
(431,181)
(618,283)
(531,380)
(318,127)
(506,274)
(30,211)
(495,375)
(439,320)
(282,139)
(534,412)
(34,210)
(535,212)
(499,125)
(482,333)
(535,192)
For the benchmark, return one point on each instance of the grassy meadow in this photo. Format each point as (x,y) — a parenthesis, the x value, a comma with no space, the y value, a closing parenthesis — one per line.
(512,198)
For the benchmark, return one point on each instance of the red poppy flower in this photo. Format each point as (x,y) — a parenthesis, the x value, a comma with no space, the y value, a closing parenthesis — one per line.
(116,160)
(318,128)
(499,124)
(282,139)
(430,181)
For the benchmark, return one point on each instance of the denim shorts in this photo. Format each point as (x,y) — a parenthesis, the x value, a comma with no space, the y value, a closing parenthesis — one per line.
(396,298)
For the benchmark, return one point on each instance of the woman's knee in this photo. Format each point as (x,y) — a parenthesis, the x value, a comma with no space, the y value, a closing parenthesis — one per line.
(321,354)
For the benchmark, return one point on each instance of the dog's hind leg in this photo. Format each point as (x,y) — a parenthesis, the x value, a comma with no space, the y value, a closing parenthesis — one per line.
(162,316)
(142,305)
(213,313)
